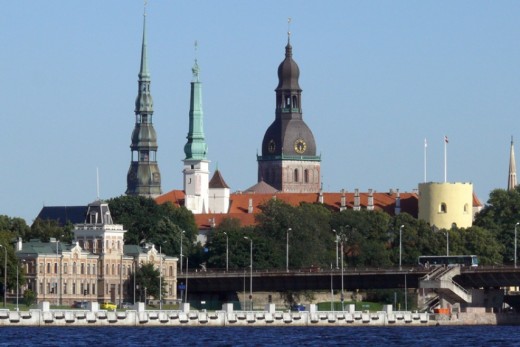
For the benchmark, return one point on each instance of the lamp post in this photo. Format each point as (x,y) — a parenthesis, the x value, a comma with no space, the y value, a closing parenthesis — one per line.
(182,233)
(516,225)
(251,273)
(135,268)
(5,273)
(336,241)
(342,295)
(57,275)
(17,283)
(400,245)
(160,277)
(287,251)
(447,243)
(227,252)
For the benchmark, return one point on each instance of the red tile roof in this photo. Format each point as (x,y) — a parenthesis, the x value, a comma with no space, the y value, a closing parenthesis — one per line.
(239,204)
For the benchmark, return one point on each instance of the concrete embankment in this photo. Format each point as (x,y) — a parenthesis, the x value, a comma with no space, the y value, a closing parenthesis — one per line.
(229,318)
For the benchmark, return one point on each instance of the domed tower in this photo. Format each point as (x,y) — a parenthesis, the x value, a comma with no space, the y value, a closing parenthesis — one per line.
(143,176)
(289,162)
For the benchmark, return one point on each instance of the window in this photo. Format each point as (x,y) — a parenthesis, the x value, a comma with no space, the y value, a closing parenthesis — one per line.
(48,268)
(82,268)
(466,208)
(443,208)
(41,267)
(65,288)
(93,289)
(295,175)
(65,268)
(74,269)
(73,288)
(306,175)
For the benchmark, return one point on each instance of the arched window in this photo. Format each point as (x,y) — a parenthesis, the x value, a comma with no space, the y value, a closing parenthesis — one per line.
(443,208)
(306,176)
(295,175)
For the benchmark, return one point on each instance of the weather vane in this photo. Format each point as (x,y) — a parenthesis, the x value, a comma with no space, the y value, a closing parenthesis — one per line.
(289,26)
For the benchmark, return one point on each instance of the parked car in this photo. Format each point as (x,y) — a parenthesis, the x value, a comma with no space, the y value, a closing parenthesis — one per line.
(80,304)
(297,308)
(108,306)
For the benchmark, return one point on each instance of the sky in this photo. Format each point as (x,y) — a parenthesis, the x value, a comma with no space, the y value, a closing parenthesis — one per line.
(378,78)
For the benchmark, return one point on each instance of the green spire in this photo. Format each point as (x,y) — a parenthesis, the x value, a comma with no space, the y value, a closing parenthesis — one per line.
(196,147)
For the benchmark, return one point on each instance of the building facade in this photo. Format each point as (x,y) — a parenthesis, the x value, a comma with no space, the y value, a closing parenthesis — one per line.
(97,266)
(445,205)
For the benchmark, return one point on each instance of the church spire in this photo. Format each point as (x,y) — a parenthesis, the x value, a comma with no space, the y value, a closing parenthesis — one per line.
(196,147)
(511,183)
(143,176)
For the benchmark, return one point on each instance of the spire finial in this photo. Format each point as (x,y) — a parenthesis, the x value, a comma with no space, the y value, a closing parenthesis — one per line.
(144,11)
(195,69)
(288,29)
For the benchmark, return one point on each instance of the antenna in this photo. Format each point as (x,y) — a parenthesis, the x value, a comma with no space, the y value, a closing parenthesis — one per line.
(97,178)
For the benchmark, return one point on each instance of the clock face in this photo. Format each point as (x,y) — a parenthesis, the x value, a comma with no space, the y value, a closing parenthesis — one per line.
(300,146)
(271,146)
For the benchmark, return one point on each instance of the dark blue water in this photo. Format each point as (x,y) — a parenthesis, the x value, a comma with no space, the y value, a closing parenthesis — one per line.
(488,336)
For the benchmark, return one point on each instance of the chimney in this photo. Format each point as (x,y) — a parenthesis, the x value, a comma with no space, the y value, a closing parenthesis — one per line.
(343,205)
(397,203)
(370,205)
(250,206)
(357,206)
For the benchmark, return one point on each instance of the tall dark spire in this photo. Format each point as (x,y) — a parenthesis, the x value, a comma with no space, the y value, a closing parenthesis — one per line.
(144,177)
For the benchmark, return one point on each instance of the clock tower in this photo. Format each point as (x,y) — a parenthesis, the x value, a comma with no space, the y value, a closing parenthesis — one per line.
(289,162)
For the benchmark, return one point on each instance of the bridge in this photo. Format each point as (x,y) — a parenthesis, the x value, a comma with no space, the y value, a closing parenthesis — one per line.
(353,278)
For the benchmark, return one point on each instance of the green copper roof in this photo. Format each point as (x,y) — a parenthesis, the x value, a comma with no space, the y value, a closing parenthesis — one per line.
(196,147)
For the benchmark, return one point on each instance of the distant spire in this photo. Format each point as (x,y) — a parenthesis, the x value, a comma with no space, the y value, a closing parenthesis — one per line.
(144,75)
(511,183)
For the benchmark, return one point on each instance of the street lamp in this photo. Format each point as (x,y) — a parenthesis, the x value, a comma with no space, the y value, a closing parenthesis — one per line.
(160,278)
(17,283)
(182,233)
(342,295)
(5,273)
(336,240)
(400,245)
(227,251)
(447,243)
(251,273)
(287,251)
(516,225)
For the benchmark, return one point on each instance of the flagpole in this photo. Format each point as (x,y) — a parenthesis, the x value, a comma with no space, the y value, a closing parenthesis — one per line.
(425,145)
(445,159)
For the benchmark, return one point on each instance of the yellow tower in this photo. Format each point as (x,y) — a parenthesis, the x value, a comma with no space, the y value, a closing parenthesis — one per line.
(444,205)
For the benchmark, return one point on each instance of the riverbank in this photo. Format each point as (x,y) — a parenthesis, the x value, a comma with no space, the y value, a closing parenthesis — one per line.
(227,317)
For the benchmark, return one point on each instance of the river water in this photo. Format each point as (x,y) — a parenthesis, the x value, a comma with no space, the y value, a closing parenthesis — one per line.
(249,336)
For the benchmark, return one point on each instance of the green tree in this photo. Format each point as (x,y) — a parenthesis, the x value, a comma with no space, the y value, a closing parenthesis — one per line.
(500,216)
(147,282)
(29,297)
(43,230)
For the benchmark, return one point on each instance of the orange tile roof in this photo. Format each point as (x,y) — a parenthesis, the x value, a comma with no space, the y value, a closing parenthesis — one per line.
(176,197)
(239,203)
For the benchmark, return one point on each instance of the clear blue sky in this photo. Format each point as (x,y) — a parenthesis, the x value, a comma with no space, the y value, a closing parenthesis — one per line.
(378,77)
